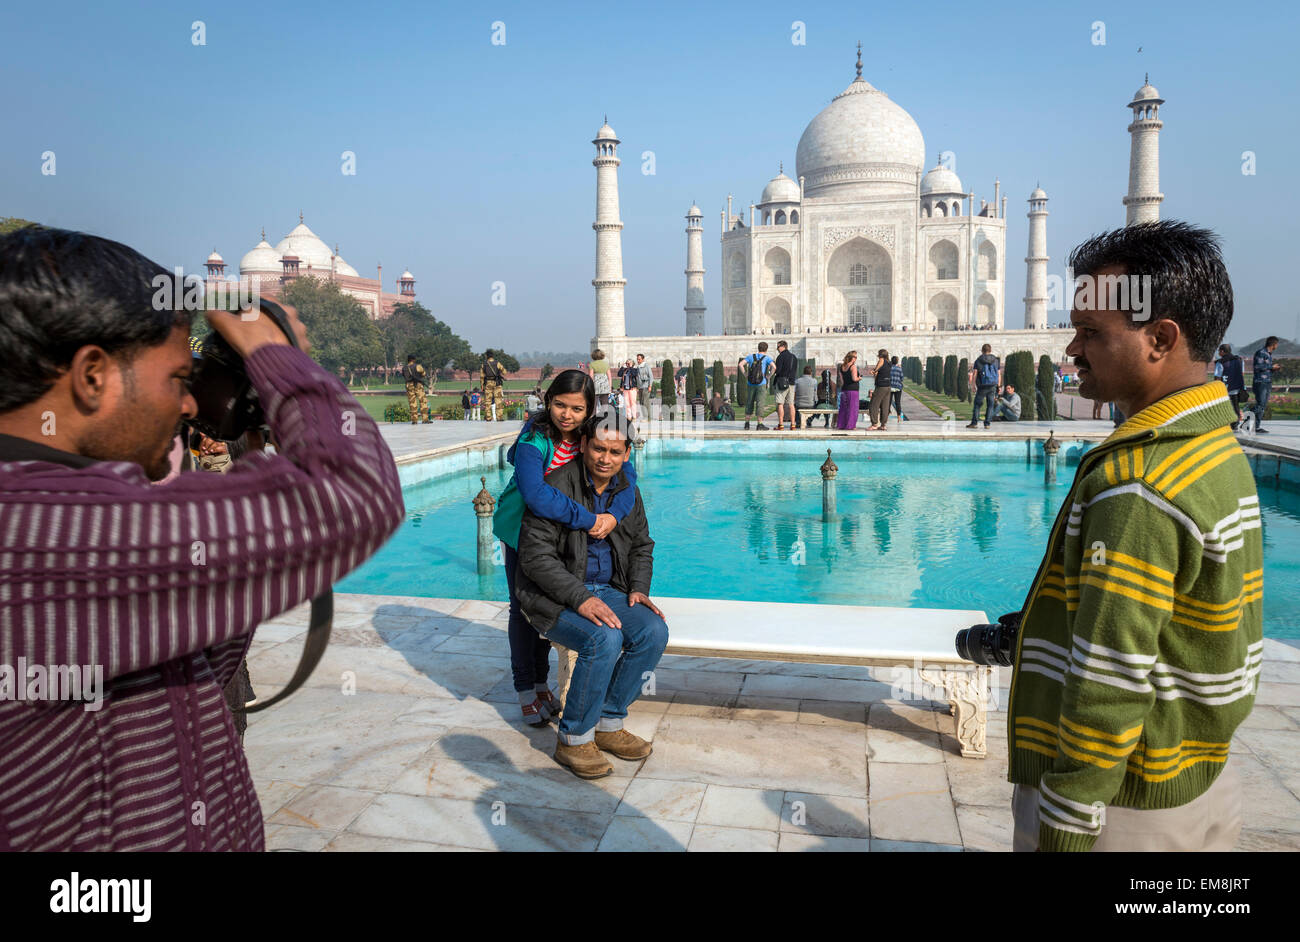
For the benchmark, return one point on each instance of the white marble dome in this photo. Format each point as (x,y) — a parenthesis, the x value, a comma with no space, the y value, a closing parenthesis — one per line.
(305,244)
(694,211)
(780,189)
(407,276)
(215,258)
(606,133)
(1146,92)
(261,258)
(1038,194)
(860,138)
(941,180)
(343,268)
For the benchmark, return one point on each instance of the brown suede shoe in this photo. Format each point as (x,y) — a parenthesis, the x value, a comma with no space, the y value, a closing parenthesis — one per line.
(623,744)
(584,761)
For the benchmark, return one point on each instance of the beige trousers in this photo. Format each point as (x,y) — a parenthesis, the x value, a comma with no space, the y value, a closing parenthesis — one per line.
(564,671)
(1210,822)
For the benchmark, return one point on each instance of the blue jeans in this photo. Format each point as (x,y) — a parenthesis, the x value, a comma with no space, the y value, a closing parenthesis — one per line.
(1261,391)
(611,665)
(529,651)
(985,393)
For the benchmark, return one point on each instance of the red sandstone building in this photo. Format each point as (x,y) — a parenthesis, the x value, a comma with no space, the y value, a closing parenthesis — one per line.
(302,253)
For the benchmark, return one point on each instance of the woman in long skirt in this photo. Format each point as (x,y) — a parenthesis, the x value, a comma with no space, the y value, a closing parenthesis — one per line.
(849,376)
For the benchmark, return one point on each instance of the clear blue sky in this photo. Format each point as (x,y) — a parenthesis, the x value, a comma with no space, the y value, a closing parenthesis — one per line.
(474,161)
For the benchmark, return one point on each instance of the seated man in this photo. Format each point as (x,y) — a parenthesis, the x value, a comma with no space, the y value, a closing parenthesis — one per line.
(720,410)
(592,596)
(1007,406)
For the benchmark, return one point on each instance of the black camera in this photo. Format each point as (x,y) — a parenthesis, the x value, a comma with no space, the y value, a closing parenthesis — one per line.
(228,404)
(990,644)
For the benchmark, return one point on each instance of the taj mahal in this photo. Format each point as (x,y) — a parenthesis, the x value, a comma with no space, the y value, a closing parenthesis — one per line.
(865,237)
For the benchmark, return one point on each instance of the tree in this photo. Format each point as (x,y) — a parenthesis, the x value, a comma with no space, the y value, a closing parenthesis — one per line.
(695,379)
(1020,374)
(342,337)
(547,370)
(719,378)
(1046,386)
(667,390)
(413,330)
(963,380)
(10,224)
(950,376)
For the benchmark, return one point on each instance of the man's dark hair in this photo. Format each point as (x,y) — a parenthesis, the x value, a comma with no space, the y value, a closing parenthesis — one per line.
(782,345)
(762,346)
(987,348)
(61,291)
(410,358)
(893,361)
(1270,341)
(1189,282)
(641,355)
(610,421)
(808,371)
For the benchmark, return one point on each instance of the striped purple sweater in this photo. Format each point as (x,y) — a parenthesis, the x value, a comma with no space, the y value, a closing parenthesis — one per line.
(161,587)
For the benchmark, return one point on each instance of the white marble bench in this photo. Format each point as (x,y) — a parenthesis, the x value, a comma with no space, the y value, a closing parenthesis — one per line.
(917,641)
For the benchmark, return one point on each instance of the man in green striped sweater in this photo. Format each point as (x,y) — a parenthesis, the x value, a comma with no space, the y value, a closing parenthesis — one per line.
(1141,640)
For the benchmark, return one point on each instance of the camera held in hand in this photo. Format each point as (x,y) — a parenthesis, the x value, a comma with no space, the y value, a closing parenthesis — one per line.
(990,644)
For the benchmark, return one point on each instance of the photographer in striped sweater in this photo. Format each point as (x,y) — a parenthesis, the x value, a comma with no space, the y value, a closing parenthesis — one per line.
(1141,639)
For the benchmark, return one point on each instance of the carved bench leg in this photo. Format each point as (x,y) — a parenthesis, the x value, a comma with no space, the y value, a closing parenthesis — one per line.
(967,693)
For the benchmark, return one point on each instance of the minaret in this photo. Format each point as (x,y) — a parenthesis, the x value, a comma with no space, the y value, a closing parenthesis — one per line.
(1036,263)
(694,271)
(1144,196)
(609,280)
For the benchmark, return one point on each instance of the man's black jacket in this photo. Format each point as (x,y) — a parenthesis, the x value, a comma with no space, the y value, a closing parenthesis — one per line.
(553,559)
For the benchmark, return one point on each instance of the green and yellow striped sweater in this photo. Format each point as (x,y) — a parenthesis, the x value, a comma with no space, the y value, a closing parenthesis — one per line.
(1142,638)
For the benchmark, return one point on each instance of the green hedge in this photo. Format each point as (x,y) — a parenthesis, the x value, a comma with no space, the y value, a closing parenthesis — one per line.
(719,378)
(950,376)
(1046,377)
(963,380)
(667,389)
(1020,374)
(695,379)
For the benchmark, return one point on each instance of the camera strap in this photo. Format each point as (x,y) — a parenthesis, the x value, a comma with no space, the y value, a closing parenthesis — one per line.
(318,638)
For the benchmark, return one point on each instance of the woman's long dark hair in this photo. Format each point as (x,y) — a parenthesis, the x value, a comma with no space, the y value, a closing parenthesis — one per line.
(566,381)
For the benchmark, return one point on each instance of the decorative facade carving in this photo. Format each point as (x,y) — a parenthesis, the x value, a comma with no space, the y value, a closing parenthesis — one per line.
(835,235)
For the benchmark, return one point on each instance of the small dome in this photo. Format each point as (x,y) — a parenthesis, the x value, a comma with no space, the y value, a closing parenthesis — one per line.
(343,268)
(941,180)
(606,133)
(261,258)
(694,211)
(780,189)
(1038,194)
(1147,92)
(407,276)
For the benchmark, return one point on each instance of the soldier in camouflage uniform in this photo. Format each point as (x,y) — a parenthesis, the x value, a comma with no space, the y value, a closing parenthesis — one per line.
(416,384)
(494,378)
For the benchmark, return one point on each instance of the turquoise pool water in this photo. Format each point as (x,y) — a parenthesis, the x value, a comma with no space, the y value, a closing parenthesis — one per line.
(922,532)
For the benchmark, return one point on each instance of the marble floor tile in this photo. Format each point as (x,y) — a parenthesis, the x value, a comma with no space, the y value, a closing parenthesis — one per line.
(710,838)
(833,713)
(288,838)
(661,799)
(799,842)
(825,815)
(985,828)
(911,847)
(911,802)
(632,834)
(913,745)
(324,807)
(811,688)
(365,844)
(557,788)
(792,756)
(479,825)
(728,806)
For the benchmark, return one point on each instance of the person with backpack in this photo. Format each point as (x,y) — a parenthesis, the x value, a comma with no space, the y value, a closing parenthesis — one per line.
(896,389)
(986,376)
(475,405)
(1230,370)
(755,368)
(494,380)
(417,384)
(548,441)
(880,395)
(784,374)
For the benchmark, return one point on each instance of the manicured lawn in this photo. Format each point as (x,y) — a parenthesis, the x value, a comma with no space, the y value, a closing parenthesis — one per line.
(937,403)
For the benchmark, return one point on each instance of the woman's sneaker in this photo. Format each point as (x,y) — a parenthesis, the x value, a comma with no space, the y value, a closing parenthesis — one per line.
(535,713)
(550,704)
